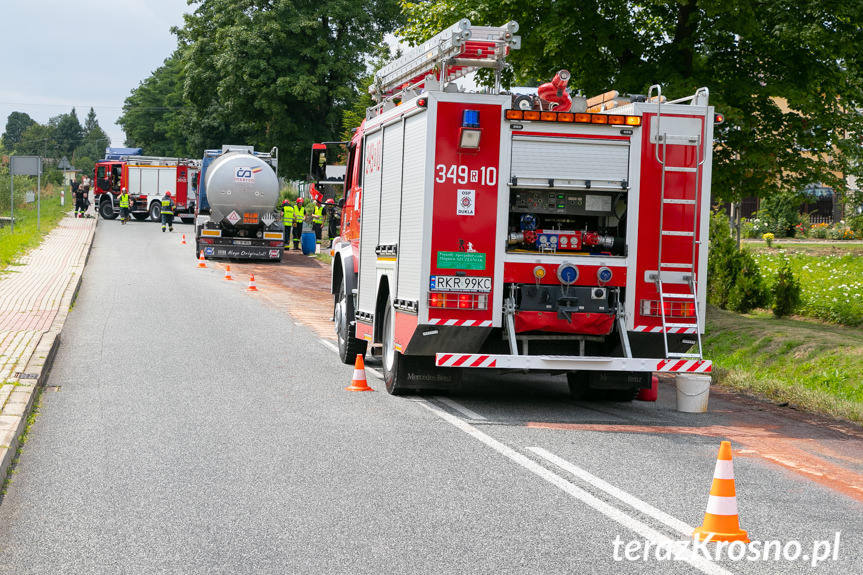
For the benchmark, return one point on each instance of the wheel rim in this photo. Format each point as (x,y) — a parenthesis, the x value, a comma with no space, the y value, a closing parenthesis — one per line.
(340,313)
(389,352)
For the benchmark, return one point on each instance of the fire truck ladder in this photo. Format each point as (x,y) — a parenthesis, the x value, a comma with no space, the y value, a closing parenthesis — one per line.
(454,53)
(686,268)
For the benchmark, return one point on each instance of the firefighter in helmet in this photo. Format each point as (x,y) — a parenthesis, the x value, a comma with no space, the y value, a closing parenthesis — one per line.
(318,220)
(124,205)
(332,219)
(299,216)
(288,221)
(167,212)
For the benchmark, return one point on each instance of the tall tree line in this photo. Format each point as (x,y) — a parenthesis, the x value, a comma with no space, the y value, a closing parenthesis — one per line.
(786,74)
(63,135)
(268,73)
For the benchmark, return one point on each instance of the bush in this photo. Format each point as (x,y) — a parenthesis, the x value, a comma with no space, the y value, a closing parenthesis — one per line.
(786,291)
(780,212)
(733,279)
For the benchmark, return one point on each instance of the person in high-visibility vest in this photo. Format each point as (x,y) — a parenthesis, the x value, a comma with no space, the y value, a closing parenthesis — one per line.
(124,206)
(288,221)
(318,221)
(299,216)
(168,212)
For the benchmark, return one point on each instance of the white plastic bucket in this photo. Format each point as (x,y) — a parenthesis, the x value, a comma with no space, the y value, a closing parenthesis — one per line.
(693,390)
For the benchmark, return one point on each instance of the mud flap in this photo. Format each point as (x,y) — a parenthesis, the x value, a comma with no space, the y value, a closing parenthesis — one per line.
(619,379)
(420,372)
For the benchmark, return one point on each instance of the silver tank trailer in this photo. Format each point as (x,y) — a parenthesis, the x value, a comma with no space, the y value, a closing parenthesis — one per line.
(242,183)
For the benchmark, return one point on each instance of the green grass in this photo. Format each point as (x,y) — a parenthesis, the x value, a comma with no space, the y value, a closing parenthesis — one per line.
(26,236)
(830,276)
(811,365)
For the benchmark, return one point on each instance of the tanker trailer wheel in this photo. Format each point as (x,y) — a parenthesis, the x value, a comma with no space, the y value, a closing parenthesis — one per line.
(349,346)
(392,360)
(156,212)
(106,210)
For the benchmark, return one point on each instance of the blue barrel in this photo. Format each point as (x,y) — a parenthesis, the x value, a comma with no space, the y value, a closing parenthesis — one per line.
(308,241)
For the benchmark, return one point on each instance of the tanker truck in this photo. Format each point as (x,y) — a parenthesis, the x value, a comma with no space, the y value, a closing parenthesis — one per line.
(235,216)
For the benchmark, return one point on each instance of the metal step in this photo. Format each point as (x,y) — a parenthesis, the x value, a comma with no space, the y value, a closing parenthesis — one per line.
(677,295)
(672,355)
(684,202)
(664,265)
(680,169)
(675,233)
(683,325)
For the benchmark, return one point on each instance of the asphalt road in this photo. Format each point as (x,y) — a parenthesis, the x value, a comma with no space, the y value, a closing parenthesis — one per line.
(199,428)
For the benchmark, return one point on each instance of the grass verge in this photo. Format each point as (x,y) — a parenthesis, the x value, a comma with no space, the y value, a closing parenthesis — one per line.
(26,236)
(813,366)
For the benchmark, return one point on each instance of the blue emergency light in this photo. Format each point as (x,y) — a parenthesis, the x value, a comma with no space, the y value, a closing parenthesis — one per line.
(469,134)
(470,119)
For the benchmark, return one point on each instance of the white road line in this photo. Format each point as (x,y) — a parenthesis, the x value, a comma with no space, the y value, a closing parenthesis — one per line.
(631,500)
(375,372)
(329,344)
(469,413)
(657,538)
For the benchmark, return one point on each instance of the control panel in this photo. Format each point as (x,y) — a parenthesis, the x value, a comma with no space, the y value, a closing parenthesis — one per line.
(579,203)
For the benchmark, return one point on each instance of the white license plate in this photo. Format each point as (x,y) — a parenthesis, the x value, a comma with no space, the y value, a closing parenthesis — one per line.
(460,283)
(242,242)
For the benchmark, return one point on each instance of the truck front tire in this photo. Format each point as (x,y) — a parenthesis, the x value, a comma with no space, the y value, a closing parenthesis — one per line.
(349,346)
(106,210)
(156,212)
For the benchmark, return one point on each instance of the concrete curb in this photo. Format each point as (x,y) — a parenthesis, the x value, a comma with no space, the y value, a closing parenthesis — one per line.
(19,405)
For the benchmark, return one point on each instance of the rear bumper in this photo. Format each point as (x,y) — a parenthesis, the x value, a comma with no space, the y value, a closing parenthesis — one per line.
(242,252)
(562,363)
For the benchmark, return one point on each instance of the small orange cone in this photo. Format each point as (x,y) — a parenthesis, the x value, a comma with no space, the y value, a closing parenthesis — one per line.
(252,286)
(228,273)
(359,381)
(721,520)
(201,263)
(184,240)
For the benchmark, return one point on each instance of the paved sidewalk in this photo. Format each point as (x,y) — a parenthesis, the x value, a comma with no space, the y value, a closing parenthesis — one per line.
(35,297)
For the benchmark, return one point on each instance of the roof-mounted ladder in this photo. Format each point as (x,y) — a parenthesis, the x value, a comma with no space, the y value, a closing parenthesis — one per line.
(454,53)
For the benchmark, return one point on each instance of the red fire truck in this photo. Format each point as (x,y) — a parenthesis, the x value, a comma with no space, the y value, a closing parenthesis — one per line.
(146,178)
(500,232)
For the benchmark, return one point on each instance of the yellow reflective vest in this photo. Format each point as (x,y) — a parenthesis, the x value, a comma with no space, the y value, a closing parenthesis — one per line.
(288,215)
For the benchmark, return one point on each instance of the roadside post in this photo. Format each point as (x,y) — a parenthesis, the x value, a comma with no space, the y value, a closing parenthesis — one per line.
(25,166)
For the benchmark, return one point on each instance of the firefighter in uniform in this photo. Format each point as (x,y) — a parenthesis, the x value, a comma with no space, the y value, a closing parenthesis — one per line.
(124,206)
(318,221)
(167,212)
(299,216)
(288,221)
(333,219)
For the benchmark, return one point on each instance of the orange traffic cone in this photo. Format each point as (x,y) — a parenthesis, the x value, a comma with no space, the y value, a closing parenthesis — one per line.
(201,263)
(721,520)
(228,273)
(252,286)
(183,240)
(359,381)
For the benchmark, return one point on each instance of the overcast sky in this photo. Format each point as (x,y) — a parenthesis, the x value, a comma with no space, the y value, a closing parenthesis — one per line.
(57,54)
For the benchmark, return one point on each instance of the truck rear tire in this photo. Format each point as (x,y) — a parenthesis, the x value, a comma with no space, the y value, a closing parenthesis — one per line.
(349,346)
(156,212)
(106,211)
(391,359)
(140,217)
(579,387)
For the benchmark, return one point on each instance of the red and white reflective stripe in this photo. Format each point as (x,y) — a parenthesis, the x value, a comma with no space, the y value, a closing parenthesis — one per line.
(686,365)
(460,322)
(718,505)
(464,360)
(658,329)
